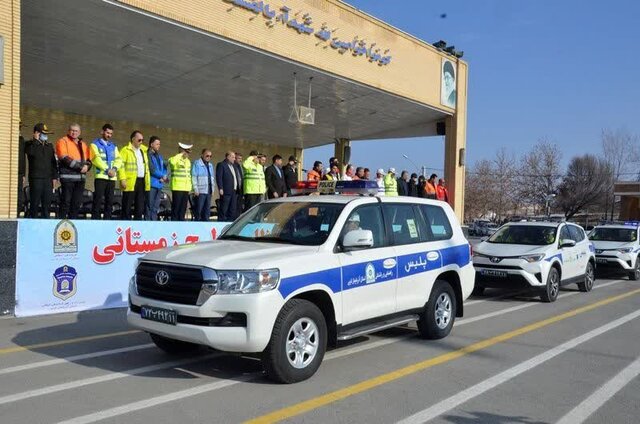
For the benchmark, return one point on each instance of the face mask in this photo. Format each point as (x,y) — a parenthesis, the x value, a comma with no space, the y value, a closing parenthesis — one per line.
(43,137)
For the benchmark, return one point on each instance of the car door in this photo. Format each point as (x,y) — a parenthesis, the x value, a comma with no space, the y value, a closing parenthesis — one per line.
(582,248)
(368,275)
(569,254)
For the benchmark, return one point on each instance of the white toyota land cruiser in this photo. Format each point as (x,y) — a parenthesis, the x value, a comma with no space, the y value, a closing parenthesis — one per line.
(292,275)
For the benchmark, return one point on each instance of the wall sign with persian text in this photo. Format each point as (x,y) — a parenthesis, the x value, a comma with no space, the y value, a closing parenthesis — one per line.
(303,24)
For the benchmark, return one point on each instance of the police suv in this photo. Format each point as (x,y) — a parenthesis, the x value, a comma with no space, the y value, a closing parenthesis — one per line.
(538,255)
(294,274)
(617,246)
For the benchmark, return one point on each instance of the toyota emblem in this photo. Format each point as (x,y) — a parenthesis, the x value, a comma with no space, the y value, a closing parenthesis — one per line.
(494,259)
(162,277)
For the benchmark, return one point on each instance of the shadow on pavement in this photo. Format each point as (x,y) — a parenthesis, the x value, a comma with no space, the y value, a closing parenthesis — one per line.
(488,418)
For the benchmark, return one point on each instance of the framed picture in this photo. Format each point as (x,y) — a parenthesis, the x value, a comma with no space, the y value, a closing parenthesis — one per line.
(448,84)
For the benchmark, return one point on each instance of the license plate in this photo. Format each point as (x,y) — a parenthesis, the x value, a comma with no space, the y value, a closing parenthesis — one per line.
(601,260)
(494,273)
(165,316)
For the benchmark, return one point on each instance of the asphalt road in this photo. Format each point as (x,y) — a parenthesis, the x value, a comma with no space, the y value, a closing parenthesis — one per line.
(511,359)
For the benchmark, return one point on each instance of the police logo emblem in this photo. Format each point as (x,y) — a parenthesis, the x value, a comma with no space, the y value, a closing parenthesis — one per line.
(65,237)
(65,282)
(162,277)
(370,274)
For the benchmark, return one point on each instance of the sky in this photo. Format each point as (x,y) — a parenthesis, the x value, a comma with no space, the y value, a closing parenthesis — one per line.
(561,70)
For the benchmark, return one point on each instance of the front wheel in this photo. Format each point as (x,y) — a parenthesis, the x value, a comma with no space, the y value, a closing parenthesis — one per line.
(298,343)
(634,275)
(551,290)
(589,278)
(439,313)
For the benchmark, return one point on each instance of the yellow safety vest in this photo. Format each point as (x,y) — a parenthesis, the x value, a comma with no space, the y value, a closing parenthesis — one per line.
(180,173)
(254,182)
(129,169)
(390,185)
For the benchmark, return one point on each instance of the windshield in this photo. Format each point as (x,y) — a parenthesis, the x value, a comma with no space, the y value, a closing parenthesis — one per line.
(524,234)
(613,234)
(304,223)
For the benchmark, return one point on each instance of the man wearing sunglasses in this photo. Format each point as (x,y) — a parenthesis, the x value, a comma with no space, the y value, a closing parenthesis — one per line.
(135,180)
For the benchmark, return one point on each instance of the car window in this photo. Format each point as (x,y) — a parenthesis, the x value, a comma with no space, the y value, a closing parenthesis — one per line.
(437,221)
(576,233)
(367,218)
(403,223)
(565,234)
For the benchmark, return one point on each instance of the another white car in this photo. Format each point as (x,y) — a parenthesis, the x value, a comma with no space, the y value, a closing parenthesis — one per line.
(617,246)
(293,274)
(539,255)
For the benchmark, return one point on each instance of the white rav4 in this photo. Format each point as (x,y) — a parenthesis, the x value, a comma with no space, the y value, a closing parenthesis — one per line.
(538,255)
(617,246)
(293,274)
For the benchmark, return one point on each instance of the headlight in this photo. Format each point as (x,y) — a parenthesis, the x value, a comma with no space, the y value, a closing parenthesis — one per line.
(532,258)
(625,250)
(133,287)
(236,282)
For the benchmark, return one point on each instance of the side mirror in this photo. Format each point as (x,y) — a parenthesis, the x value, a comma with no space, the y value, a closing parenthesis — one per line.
(357,239)
(567,243)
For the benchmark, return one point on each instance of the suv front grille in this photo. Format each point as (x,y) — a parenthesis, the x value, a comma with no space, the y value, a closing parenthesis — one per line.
(183,285)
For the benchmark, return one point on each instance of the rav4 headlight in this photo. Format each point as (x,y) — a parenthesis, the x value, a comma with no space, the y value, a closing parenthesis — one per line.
(532,258)
(237,282)
(625,250)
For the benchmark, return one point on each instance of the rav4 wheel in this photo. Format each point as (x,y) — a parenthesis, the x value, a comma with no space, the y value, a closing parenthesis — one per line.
(298,343)
(589,278)
(174,347)
(551,290)
(635,273)
(439,312)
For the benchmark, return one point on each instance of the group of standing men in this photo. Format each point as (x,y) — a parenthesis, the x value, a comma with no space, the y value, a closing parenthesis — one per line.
(141,173)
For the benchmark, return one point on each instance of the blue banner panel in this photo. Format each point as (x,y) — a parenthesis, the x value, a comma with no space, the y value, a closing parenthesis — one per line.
(67,266)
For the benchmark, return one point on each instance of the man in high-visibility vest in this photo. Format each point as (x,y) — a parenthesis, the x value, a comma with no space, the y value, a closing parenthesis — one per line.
(390,183)
(181,185)
(106,162)
(430,187)
(254,182)
(134,177)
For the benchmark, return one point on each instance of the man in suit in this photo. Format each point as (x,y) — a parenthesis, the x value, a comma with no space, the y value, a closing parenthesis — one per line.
(228,184)
(291,173)
(274,177)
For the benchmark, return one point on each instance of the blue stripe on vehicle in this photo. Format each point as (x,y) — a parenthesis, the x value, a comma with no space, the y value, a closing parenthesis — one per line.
(373,272)
(559,256)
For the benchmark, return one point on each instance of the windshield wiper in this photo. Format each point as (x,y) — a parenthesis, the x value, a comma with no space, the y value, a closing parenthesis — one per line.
(233,237)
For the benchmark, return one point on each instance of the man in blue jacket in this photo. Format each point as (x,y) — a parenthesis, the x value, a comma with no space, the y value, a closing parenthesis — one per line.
(203,181)
(158,172)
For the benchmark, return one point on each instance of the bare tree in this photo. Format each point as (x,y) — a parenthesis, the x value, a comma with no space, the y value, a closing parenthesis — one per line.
(505,171)
(479,190)
(539,174)
(585,184)
(621,150)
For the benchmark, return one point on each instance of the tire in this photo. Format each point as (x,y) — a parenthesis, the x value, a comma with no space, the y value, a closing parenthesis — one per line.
(589,278)
(174,347)
(298,343)
(635,274)
(439,312)
(551,290)
(477,290)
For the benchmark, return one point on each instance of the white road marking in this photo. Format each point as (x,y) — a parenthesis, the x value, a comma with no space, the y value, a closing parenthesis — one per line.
(74,358)
(464,321)
(587,407)
(102,378)
(491,383)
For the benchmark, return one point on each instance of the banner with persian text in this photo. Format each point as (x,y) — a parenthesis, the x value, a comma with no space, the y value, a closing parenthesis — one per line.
(67,266)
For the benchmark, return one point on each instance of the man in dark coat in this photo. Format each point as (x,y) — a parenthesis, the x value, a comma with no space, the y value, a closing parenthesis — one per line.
(228,185)
(43,170)
(274,176)
(413,185)
(240,174)
(403,184)
(291,173)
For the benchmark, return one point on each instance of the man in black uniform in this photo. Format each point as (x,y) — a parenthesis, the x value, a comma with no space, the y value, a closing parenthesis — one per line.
(291,173)
(43,170)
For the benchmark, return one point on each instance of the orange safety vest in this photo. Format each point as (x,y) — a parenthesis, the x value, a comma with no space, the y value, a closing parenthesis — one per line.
(313,175)
(430,189)
(442,193)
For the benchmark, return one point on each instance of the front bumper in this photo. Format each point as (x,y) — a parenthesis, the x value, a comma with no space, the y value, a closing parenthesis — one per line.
(261,311)
(513,273)
(623,261)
